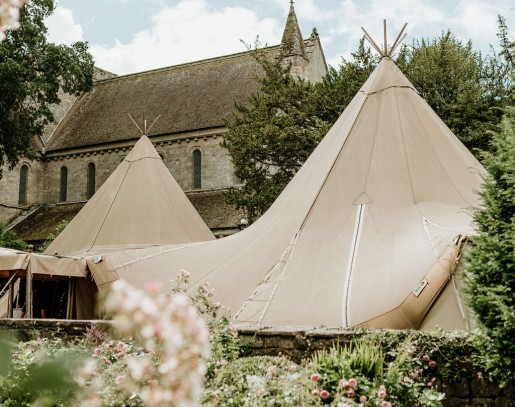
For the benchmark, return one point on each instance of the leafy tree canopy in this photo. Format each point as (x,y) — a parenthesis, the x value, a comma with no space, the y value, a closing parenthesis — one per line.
(31,73)
(271,135)
(465,89)
(9,239)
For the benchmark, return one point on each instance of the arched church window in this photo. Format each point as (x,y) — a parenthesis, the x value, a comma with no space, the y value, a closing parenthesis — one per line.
(91,179)
(24,177)
(63,190)
(197,169)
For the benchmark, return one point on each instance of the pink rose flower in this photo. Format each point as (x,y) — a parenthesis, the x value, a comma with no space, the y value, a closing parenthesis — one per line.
(315,377)
(386,404)
(381,394)
(432,364)
(324,394)
(363,399)
(353,382)
(426,358)
(315,392)
(351,393)
(343,383)
(261,392)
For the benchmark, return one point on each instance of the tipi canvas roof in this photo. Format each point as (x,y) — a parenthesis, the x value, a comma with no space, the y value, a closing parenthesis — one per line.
(365,234)
(139,205)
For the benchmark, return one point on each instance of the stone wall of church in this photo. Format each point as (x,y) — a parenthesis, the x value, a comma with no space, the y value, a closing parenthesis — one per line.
(216,168)
(316,69)
(10,188)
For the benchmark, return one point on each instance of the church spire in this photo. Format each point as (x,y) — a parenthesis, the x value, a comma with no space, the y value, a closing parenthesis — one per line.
(292,43)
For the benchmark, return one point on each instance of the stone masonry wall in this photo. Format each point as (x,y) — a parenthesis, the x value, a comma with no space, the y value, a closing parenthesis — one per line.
(295,342)
(10,185)
(217,169)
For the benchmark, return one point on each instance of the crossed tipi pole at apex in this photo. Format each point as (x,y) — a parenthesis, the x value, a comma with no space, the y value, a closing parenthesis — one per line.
(385,51)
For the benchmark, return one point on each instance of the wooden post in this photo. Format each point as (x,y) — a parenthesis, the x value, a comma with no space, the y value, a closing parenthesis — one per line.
(398,40)
(372,42)
(10,296)
(71,298)
(28,295)
(385,40)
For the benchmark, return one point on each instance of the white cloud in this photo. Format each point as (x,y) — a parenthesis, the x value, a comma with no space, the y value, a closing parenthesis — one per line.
(62,28)
(188,31)
(478,20)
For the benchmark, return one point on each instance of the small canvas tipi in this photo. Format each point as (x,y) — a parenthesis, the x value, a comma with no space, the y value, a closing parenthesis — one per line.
(366,234)
(139,205)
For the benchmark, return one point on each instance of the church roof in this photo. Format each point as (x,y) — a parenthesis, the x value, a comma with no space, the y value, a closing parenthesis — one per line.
(189,96)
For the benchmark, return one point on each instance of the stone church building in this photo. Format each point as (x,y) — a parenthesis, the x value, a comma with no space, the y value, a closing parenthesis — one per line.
(94,133)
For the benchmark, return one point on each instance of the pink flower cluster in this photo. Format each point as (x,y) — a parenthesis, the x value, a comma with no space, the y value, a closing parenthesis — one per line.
(315,377)
(171,332)
(349,386)
(9,15)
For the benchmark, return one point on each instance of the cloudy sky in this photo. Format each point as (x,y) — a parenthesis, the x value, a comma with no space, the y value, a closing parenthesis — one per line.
(128,36)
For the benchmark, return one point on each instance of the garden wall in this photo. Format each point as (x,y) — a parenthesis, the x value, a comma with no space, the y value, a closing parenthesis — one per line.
(297,343)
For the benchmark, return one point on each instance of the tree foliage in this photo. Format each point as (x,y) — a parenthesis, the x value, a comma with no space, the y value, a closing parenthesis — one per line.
(9,239)
(271,135)
(492,259)
(31,73)
(464,88)
(507,45)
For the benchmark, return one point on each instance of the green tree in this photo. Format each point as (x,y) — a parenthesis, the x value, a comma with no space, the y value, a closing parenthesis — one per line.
(271,135)
(465,89)
(31,73)
(9,239)
(492,258)
(507,45)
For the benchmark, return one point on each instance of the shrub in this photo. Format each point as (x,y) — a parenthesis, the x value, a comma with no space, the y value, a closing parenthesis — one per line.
(260,381)
(361,373)
(492,259)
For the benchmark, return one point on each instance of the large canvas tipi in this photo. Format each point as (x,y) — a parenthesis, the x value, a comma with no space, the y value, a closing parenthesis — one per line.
(140,205)
(366,234)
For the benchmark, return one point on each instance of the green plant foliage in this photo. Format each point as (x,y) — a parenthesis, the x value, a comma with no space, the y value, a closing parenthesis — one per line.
(31,73)
(260,381)
(363,359)
(9,239)
(271,135)
(492,259)
(464,88)
(39,373)
(397,367)
(507,43)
